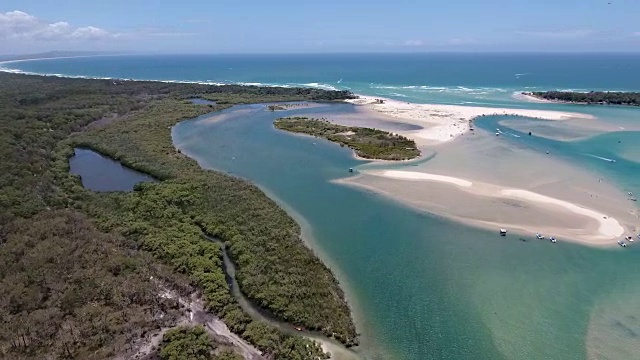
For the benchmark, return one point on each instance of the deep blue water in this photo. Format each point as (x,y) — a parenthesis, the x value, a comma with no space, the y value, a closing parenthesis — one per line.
(439,77)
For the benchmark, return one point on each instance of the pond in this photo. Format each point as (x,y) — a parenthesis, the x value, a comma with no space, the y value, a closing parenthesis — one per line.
(100,173)
(202,102)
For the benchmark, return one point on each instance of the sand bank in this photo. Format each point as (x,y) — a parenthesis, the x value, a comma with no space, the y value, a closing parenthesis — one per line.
(494,184)
(412,175)
(609,228)
(523,96)
(441,123)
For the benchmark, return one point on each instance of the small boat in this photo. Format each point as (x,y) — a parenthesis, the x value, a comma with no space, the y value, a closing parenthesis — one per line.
(539,236)
(497,134)
(553,240)
(621,243)
(628,238)
(503,232)
(350,169)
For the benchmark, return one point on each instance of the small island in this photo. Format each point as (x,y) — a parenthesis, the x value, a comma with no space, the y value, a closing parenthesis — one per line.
(368,143)
(592,97)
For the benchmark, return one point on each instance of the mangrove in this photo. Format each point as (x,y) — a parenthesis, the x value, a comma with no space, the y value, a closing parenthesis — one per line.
(153,231)
(368,143)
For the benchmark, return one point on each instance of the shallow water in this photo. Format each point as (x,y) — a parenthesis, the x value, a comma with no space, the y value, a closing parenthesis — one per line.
(100,173)
(423,287)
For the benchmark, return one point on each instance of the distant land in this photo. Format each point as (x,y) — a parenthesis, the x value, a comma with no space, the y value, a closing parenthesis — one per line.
(592,97)
(53,54)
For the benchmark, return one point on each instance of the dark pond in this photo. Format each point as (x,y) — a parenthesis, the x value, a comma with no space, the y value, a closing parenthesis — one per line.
(100,173)
(202,102)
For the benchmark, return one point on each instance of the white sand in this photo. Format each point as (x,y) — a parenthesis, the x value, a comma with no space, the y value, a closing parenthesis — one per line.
(413,175)
(609,227)
(529,98)
(445,122)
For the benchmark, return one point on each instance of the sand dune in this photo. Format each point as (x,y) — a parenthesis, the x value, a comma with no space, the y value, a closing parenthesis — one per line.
(442,123)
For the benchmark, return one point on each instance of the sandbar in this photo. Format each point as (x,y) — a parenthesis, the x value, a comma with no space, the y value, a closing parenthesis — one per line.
(443,123)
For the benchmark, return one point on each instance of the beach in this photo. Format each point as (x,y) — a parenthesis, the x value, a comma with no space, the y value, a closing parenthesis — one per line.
(482,181)
(442,123)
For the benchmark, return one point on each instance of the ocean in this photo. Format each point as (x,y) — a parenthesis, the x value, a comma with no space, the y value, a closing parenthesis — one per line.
(423,287)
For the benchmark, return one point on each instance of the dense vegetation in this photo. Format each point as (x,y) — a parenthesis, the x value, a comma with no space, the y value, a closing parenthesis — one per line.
(593,97)
(43,118)
(367,143)
(70,291)
(194,344)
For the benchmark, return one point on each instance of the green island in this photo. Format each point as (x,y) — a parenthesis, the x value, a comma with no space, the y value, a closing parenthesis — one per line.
(83,272)
(592,97)
(366,142)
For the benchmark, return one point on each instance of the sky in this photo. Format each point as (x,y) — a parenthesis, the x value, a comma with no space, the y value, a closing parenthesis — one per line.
(328,26)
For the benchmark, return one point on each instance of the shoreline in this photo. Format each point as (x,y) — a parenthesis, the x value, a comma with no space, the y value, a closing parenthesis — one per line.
(443,123)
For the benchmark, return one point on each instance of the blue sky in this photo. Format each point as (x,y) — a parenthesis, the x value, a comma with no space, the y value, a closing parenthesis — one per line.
(238,26)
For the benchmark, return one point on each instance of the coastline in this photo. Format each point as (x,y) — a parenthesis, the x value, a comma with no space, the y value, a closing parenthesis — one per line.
(525,200)
(443,123)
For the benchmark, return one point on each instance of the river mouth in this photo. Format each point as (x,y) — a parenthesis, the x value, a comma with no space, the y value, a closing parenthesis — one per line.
(425,287)
(100,173)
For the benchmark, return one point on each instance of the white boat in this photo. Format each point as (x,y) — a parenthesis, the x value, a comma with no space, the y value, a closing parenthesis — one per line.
(539,236)
(553,240)
(503,232)
(621,243)
(628,238)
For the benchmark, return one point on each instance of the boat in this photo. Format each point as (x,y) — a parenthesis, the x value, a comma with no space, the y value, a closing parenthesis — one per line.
(621,243)
(350,169)
(503,232)
(539,236)
(497,134)
(553,240)
(628,238)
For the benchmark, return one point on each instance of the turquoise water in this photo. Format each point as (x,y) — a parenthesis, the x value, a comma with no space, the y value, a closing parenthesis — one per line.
(423,287)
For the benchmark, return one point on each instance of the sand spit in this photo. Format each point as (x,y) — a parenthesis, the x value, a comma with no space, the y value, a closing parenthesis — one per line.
(442,123)
(609,228)
(494,206)
(412,175)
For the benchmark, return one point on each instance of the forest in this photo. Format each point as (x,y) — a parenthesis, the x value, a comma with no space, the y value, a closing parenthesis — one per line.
(366,142)
(592,97)
(155,229)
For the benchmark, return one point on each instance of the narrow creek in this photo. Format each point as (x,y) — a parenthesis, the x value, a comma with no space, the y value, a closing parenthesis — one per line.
(338,350)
